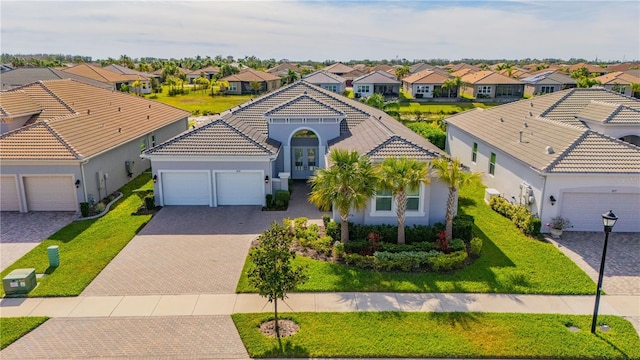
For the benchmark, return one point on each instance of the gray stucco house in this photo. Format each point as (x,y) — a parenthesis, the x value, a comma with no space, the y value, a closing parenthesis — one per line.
(255,148)
(67,142)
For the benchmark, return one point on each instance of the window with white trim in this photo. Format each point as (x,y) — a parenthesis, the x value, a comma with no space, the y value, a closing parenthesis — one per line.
(143,144)
(547,89)
(474,154)
(363,88)
(153,141)
(422,89)
(333,88)
(413,199)
(384,202)
(485,90)
(233,87)
(492,164)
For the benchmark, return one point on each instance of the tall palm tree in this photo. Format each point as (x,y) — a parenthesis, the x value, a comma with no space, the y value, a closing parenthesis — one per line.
(348,182)
(457,83)
(451,173)
(399,175)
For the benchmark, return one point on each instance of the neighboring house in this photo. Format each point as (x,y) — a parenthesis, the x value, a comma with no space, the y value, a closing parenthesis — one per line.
(592,69)
(209,72)
(181,72)
(240,83)
(623,67)
(76,143)
(547,82)
(126,71)
(461,66)
(110,77)
(338,69)
(428,84)
(555,154)
(377,82)
(327,80)
(282,70)
(381,67)
(416,68)
(463,72)
(6,67)
(515,73)
(491,85)
(619,82)
(255,148)
(23,76)
(353,74)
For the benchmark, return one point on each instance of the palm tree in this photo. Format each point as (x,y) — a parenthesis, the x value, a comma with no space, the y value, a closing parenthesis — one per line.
(403,71)
(349,182)
(399,175)
(456,82)
(451,173)
(137,85)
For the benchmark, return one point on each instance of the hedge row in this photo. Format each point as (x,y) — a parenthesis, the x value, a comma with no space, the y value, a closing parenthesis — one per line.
(518,214)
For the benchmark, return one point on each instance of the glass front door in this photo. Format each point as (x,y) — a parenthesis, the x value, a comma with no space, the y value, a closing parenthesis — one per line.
(305,162)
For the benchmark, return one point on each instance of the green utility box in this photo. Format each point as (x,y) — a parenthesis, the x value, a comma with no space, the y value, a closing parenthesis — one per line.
(19,281)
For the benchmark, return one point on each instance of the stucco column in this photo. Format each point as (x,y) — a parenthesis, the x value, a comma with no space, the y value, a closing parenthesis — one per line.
(284,180)
(287,158)
(321,154)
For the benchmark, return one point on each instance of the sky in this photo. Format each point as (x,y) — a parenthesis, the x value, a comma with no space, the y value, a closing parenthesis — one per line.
(325,30)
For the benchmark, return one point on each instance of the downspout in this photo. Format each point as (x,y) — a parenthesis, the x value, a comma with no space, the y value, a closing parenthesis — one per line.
(84,183)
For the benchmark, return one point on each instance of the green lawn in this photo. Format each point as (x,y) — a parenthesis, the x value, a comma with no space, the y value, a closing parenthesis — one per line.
(201,101)
(87,246)
(510,263)
(441,108)
(12,329)
(450,335)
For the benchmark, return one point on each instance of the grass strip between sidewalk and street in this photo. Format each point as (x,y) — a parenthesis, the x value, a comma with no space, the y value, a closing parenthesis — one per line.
(12,329)
(86,246)
(510,263)
(451,335)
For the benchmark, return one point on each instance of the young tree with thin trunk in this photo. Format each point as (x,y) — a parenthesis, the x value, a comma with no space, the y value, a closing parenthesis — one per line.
(399,175)
(452,174)
(273,274)
(348,182)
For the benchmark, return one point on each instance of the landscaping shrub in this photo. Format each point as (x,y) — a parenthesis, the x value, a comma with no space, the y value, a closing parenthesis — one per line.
(446,262)
(475,246)
(281,198)
(333,229)
(322,244)
(431,132)
(403,261)
(518,214)
(150,202)
(325,220)
(356,246)
(457,245)
(84,209)
(463,227)
(389,233)
(338,250)
(421,246)
(419,234)
(361,261)
(100,207)
(269,200)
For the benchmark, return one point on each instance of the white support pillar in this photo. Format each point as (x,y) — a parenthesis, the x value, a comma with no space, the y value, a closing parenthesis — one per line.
(287,158)
(321,155)
(284,180)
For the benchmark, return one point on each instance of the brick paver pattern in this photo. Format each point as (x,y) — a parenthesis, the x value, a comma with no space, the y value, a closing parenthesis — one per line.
(183,337)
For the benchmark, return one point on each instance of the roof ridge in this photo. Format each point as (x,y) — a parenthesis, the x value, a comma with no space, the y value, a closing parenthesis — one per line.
(46,88)
(404,140)
(243,135)
(299,98)
(555,105)
(61,139)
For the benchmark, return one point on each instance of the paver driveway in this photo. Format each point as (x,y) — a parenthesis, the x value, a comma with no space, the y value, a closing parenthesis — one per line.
(21,232)
(192,249)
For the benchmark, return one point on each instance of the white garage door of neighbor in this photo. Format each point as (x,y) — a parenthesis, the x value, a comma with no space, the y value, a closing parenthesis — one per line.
(9,200)
(186,188)
(585,210)
(240,188)
(50,193)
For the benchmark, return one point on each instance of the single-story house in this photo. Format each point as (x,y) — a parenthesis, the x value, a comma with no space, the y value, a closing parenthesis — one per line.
(377,82)
(327,80)
(27,75)
(110,77)
(489,84)
(619,82)
(592,69)
(240,83)
(353,74)
(515,73)
(71,142)
(428,84)
(209,72)
(283,69)
(254,149)
(126,71)
(623,66)
(460,66)
(547,154)
(547,82)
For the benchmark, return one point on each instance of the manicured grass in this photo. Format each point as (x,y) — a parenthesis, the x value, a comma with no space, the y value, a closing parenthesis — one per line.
(201,101)
(87,246)
(450,335)
(441,108)
(12,329)
(509,263)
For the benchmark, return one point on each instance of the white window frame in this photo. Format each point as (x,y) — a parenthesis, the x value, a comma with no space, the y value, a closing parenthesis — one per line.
(233,87)
(422,89)
(392,213)
(363,88)
(474,152)
(546,89)
(493,159)
(331,87)
(484,89)
(153,140)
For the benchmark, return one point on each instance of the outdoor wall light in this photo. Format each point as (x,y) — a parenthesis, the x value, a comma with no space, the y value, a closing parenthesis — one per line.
(155,179)
(552,199)
(77,183)
(266,179)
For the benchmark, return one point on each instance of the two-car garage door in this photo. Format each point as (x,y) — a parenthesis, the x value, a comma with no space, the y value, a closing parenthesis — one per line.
(196,188)
(585,210)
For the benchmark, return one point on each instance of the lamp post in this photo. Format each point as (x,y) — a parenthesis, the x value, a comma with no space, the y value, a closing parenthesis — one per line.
(609,219)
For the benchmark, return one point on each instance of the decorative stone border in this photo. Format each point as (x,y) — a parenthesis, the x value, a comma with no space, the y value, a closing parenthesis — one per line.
(106,209)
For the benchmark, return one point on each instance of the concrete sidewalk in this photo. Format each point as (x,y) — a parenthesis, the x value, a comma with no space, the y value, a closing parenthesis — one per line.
(226,304)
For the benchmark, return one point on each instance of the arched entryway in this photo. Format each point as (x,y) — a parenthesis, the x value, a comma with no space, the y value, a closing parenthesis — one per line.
(633,139)
(305,154)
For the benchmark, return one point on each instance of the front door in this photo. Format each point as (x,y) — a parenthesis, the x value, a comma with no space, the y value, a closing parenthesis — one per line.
(305,161)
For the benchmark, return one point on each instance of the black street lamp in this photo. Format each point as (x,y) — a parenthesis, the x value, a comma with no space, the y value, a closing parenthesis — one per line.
(609,219)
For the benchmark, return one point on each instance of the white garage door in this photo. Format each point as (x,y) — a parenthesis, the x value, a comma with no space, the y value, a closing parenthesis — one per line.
(585,210)
(186,188)
(240,188)
(9,200)
(50,193)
